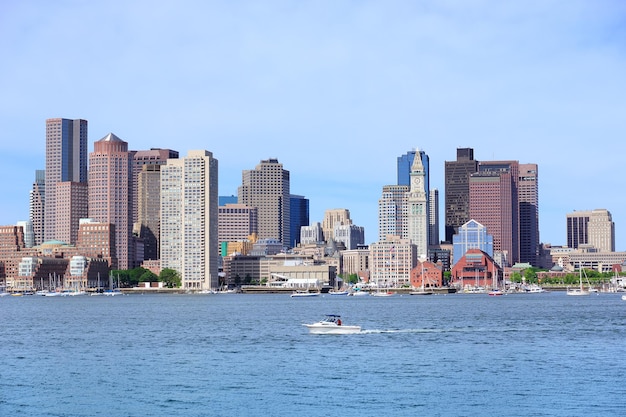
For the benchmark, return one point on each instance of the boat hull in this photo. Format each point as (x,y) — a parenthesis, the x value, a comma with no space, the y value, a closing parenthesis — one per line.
(323,328)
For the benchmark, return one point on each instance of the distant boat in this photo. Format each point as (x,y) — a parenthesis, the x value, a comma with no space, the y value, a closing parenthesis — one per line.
(383,294)
(337,292)
(580,290)
(358,293)
(305,293)
(624,297)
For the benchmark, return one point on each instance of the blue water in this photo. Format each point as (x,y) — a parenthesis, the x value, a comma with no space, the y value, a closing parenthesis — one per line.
(249,355)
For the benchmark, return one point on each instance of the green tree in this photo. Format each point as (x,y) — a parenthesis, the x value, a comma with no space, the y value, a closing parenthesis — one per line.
(123,276)
(148,276)
(516,277)
(530,275)
(170,277)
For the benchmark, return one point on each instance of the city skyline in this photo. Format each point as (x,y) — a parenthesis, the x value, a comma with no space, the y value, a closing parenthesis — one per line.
(335,92)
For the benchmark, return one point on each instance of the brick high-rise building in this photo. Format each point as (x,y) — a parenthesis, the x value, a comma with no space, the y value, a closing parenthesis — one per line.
(110,193)
(494,204)
(66,161)
(72,204)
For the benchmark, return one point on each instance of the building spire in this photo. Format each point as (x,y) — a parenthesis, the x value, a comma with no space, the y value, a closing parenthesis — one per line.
(417,165)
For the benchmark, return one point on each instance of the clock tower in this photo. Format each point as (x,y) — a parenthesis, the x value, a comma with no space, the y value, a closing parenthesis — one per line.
(418,208)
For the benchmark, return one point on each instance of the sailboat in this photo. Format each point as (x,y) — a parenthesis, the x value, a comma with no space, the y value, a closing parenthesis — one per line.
(495,288)
(580,290)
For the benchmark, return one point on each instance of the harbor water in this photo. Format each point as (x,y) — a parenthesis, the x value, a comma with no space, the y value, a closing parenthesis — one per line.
(249,355)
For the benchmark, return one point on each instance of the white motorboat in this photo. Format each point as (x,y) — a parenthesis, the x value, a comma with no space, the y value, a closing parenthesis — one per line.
(383,294)
(331,324)
(305,294)
(337,292)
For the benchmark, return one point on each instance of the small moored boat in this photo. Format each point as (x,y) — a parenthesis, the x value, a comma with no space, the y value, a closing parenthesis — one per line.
(331,324)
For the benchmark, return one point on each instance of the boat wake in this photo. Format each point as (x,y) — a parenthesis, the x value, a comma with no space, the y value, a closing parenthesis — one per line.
(450,330)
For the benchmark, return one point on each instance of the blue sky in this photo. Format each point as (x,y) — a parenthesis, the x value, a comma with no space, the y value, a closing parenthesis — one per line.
(336,90)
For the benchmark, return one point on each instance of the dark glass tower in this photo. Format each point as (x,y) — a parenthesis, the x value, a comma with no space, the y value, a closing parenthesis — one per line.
(457,175)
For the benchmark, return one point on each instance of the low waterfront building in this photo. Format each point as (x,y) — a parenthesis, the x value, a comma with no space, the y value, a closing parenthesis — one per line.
(427,275)
(476,269)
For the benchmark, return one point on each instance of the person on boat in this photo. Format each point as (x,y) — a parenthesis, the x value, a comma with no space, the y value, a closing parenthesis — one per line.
(338,322)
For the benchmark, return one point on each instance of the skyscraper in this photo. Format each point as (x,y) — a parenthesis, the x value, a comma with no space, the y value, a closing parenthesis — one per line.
(494,203)
(433,217)
(267,188)
(72,204)
(153,156)
(299,217)
(393,212)
(66,160)
(457,174)
(528,196)
(110,193)
(591,227)
(418,210)
(37,203)
(149,209)
(189,219)
(405,163)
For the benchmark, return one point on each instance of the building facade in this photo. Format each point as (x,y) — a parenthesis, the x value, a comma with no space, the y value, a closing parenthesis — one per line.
(267,188)
(591,227)
(391,262)
(457,193)
(494,204)
(110,193)
(393,211)
(189,219)
(433,217)
(299,217)
(472,235)
(148,200)
(72,204)
(418,210)
(37,206)
(66,160)
(150,157)
(332,218)
(528,197)
(312,234)
(350,235)
(236,222)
